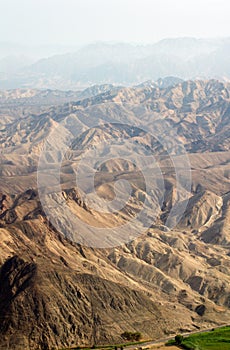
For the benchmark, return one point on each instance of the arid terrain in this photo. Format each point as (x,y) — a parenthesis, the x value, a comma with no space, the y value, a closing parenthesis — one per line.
(174,275)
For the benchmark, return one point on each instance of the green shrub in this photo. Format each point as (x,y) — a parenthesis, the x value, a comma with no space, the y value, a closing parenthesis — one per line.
(178,339)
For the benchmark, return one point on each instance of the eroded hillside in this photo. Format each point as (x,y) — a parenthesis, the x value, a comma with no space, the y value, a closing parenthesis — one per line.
(55,292)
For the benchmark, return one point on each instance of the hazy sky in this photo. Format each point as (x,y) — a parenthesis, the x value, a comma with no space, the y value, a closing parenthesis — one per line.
(74,22)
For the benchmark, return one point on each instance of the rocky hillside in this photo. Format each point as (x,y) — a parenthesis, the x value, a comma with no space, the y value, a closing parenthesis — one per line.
(56,292)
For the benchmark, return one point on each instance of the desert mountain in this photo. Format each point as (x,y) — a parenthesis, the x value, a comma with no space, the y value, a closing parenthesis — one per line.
(56,292)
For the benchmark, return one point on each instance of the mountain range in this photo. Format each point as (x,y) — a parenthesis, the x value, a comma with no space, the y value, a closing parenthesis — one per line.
(116,63)
(56,291)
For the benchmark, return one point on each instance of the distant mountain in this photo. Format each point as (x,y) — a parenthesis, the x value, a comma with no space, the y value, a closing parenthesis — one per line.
(33,51)
(124,64)
(35,97)
(162,83)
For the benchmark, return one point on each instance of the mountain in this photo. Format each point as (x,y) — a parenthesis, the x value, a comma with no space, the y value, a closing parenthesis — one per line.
(123,64)
(64,285)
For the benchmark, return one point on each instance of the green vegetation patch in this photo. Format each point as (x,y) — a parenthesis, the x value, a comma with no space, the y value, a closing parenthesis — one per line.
(218,339)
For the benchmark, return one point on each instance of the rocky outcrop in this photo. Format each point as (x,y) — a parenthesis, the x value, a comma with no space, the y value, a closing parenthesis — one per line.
(202,210)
